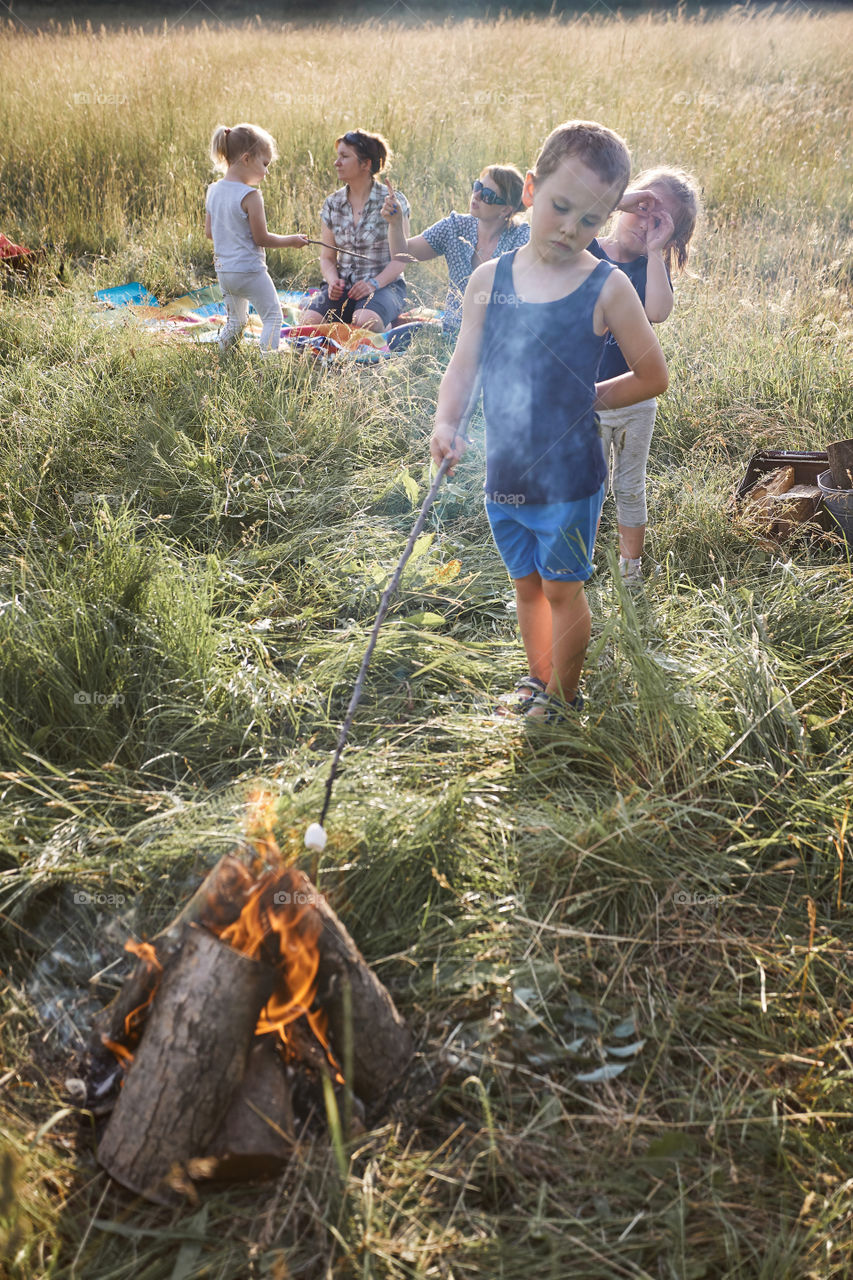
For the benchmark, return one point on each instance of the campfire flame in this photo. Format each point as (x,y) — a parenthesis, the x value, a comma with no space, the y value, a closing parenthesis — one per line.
(134,1020)
(260,821)
(278,916)
(123,1054)
(274,919)
(278,924)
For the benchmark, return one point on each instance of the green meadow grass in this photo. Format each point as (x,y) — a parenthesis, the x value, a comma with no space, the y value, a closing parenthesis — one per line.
(192,558)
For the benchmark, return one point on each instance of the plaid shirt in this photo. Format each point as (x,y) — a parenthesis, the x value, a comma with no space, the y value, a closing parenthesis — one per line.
(369,238)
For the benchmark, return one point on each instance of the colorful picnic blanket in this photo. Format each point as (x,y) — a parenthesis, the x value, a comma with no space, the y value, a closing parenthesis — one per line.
(335,339)
(200,315)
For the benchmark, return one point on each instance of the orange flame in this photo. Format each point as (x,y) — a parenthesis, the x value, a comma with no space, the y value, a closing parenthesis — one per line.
(145,951)
(278,919)
(134,1020)
(259,826)
(274,916)
(124,1055)
(277,923)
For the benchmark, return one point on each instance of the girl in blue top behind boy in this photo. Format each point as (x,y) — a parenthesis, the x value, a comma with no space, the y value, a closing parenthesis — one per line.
(236,223)
(645,242)
(533,327)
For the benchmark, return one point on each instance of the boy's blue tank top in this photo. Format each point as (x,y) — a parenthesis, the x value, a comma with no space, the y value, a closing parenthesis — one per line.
(538,367)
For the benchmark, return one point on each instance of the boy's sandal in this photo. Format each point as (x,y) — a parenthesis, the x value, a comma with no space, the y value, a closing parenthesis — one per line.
(549,709)
(523,693)
(528,687)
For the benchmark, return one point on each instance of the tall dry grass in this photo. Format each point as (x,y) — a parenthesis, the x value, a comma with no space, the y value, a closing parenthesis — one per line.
(105,132)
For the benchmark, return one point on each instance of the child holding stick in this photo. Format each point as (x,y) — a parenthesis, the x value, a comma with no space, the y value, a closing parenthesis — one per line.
(236,223)
(533,328)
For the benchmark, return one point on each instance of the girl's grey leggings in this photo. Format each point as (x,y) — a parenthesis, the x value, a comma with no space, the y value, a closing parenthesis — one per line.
(239,288)
(626,436)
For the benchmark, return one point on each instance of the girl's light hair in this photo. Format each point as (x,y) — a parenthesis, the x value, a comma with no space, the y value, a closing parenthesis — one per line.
(510,183)
(684,189)
(229,143)
(598,147)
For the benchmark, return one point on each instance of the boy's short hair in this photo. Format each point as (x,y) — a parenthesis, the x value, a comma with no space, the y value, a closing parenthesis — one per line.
(599,148)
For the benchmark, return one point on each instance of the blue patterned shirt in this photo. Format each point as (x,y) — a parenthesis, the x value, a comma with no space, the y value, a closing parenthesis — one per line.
(456,238)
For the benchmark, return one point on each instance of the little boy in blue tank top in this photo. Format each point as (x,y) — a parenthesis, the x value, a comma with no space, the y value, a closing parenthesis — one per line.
(533,328)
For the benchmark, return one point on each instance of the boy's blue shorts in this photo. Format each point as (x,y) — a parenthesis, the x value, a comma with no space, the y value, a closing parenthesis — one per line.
(553,539)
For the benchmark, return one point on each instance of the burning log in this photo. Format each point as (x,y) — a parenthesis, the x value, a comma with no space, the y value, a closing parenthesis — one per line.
(247,959)
(218,901)
(190,1060)
(257,1135)
(364,1026)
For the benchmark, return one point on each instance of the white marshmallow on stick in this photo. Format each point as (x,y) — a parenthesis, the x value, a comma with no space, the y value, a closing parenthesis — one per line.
(315,837)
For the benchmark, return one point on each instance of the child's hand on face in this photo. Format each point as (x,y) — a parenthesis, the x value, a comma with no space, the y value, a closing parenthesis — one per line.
(660,229)
(637,202)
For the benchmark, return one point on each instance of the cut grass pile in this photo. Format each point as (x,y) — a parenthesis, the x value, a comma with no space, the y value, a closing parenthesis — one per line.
(624,944)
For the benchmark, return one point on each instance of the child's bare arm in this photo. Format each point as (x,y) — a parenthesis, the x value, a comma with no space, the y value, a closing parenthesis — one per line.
(459,385)
(253,203)
(620,310)
(416,247)
(659,299)
(208,230)
(658,288)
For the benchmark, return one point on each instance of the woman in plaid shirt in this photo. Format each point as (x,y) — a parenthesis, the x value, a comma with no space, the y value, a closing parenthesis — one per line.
(363,286)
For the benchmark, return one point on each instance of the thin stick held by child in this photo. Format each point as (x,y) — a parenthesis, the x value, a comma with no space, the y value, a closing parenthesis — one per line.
(236,223)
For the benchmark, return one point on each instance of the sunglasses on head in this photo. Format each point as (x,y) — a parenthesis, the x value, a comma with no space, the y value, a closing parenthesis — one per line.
(486,194)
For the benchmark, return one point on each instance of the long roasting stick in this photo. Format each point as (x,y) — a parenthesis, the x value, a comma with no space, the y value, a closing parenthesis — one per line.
(374,635)
(364,257)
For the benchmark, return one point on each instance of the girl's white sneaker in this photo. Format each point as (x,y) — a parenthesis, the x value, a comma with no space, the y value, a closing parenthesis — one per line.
(631,571)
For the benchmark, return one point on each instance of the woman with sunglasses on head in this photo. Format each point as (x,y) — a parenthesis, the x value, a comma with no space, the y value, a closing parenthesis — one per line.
(362,285)
(491,227)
